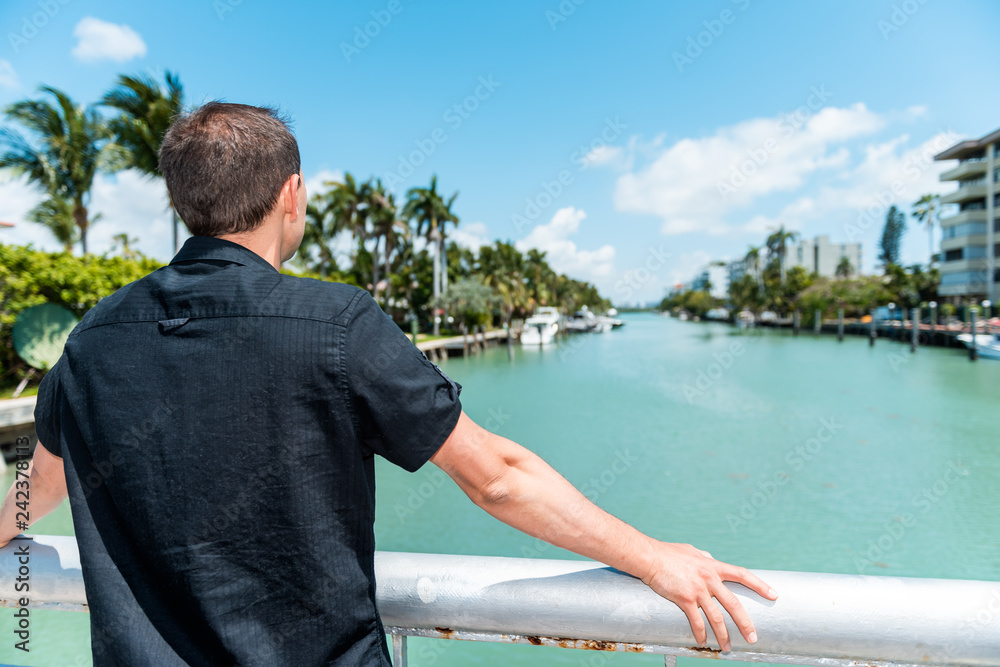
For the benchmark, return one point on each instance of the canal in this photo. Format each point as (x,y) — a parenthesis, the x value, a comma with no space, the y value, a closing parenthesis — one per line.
(768,450)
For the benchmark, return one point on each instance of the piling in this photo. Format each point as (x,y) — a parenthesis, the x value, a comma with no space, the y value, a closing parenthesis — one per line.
(914,328)
(510,341)
(818,321)
(973,350)
(796,322)
(840,325)
(872,330)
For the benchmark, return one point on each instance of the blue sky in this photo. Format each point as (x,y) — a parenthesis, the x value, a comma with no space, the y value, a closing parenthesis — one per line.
(634,142)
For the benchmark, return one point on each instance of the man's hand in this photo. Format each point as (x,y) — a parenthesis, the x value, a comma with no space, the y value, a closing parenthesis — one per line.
(692,579)
(520,489)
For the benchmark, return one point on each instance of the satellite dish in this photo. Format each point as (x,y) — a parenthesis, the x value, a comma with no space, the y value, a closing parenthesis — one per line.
(40,333)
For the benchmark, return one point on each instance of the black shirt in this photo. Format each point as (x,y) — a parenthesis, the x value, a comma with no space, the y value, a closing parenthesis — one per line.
(217,422)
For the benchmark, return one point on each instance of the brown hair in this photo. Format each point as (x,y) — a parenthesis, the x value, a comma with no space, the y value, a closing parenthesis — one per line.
(225,165)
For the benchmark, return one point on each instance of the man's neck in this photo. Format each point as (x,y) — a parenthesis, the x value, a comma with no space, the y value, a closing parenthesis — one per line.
(264,244)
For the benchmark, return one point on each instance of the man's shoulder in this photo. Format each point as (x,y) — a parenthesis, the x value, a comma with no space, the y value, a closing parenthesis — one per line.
(339,299)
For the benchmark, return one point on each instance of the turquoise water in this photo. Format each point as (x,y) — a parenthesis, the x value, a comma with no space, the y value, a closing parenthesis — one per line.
(725,448)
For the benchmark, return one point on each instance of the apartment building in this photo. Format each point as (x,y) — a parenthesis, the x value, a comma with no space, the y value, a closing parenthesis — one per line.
(969,246)
(822,257)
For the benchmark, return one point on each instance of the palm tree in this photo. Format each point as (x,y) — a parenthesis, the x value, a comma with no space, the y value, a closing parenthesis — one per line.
(320,230)
(74,145)
(501,266)
(147,110)
(56,214)
(752,262)
(777,246)
(844,268)
(927,210)
(427,208)
(385,224)
(449,216)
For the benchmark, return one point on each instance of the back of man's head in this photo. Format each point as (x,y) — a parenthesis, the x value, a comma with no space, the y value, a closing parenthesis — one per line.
(225,164)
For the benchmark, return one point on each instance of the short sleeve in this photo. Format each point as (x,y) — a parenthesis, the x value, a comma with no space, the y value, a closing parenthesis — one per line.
(47,411)
(404,406)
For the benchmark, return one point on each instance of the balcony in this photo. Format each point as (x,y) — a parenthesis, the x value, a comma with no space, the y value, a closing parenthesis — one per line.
(820,619)
(971,215)
(965,194)
(965,169)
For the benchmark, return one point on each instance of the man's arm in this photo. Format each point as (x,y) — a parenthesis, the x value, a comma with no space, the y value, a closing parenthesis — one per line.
(42,485)
(519,488)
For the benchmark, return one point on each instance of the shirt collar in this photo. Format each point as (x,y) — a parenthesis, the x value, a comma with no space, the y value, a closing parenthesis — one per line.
(209,247)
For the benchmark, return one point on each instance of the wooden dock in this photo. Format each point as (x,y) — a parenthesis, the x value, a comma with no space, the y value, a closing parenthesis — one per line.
(471,343)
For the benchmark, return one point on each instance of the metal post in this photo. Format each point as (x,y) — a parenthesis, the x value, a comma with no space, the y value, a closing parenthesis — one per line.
(915,328)
(796,322)
(973,350)
(398,650)
(840,324)
(818,321)
(872,331)
(670,661)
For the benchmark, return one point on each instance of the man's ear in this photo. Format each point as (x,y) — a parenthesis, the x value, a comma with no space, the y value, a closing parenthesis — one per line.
(289,196)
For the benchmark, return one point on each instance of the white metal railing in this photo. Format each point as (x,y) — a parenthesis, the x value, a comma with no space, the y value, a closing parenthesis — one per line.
(820,619)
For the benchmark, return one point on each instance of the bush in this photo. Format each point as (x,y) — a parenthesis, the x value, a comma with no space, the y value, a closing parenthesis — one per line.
(30,277)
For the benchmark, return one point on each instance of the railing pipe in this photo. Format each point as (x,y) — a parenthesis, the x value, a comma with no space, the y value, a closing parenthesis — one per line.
(819,619)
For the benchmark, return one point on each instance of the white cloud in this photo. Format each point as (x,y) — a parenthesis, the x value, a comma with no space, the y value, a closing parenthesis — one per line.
(8,77)
(694,184)
(562,254)
(128,202)
(316,183)
(604,155)
(472,235)
(100,40)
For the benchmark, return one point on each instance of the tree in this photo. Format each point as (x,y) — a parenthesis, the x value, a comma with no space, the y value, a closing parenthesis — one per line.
(320,230)
(752,263)
(146,112)
(927,210)
(56,214)
(428,209)
(387,227)
(777,246)
(844,268)
(75,143)
(892,237)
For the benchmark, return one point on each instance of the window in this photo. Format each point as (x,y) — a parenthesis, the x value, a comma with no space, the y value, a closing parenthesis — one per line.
(975,205)
(953,256)
(975,252)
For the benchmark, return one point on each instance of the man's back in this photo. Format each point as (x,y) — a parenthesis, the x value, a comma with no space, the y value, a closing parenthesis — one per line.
(216,418)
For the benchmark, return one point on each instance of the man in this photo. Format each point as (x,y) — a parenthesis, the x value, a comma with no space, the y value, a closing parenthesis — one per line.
(215,424)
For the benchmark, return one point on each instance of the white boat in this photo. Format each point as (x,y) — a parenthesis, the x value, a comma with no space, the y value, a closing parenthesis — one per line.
(541,328)
(987,345)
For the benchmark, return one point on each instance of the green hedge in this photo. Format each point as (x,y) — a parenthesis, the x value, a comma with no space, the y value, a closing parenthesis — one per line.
(30,277)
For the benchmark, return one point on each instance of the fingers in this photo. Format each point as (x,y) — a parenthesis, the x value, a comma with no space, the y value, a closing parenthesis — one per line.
(693,613)
(749,579)
(717,620)
(740,616)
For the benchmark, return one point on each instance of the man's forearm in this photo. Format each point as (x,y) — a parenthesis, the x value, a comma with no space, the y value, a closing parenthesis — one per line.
(31,497)
(534,498)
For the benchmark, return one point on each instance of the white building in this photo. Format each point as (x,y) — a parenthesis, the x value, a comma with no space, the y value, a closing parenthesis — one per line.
(820,256)
(716,278)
